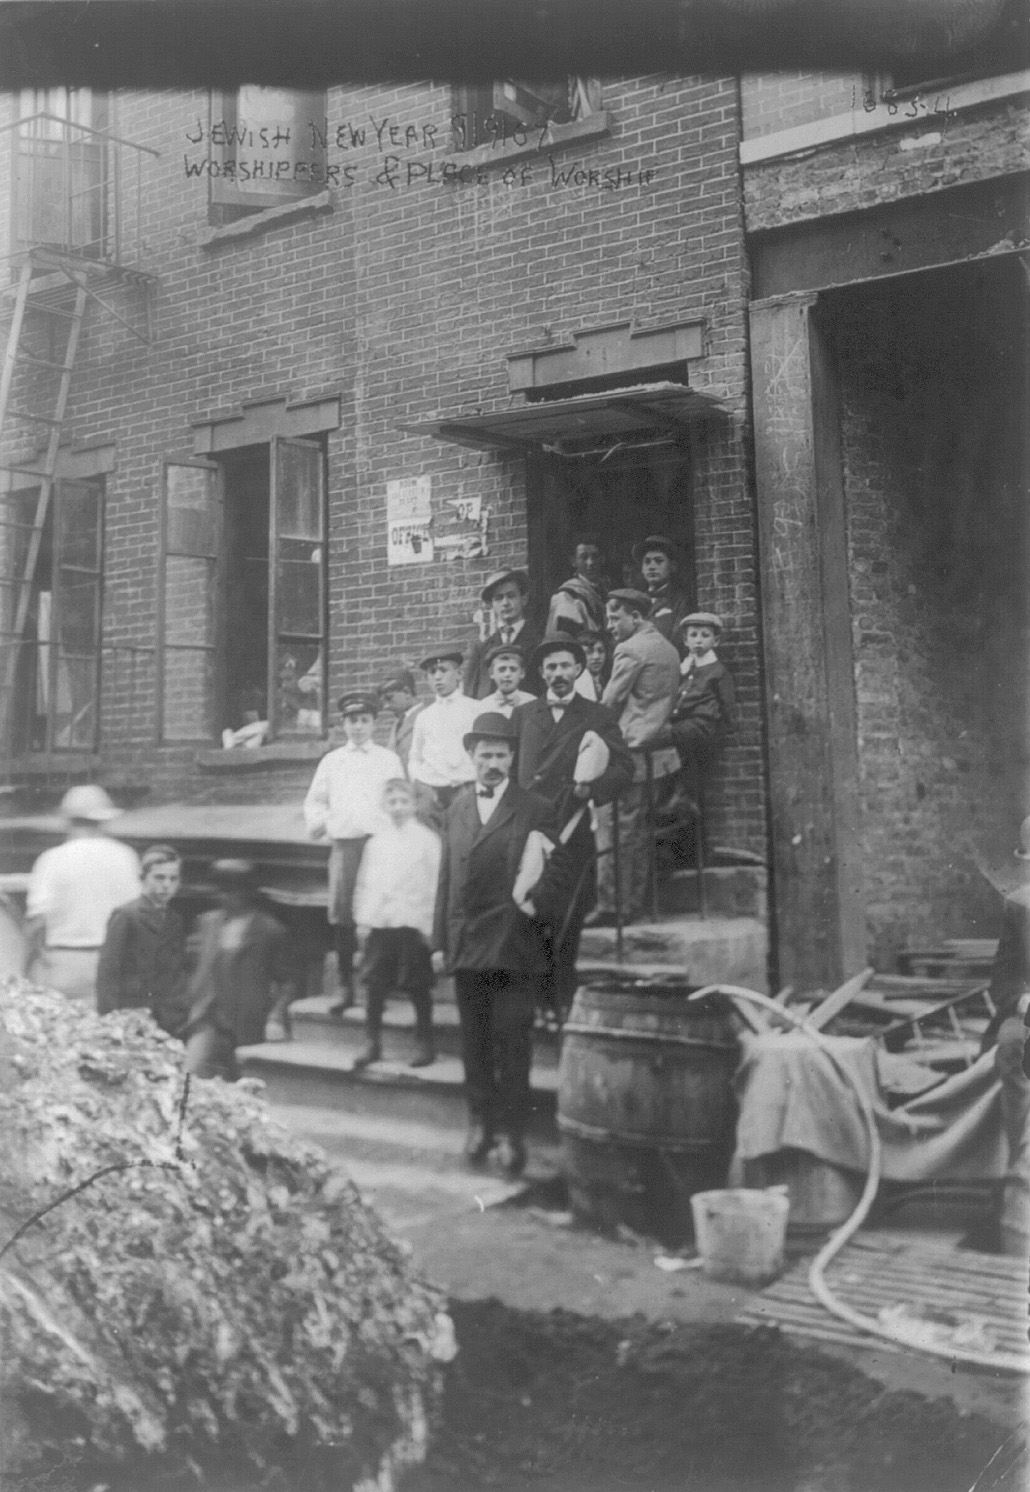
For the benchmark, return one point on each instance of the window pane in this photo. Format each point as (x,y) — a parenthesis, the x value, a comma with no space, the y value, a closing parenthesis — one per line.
(299,687)
(298,578)
(77,619)
(187,713)
(78,510)
(17,513)
(192,510)
(298,490)
(293,123)
(75,701)
(189,600)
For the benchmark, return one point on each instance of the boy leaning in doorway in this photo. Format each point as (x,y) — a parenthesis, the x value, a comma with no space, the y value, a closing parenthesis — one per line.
(394,901)
(344,804)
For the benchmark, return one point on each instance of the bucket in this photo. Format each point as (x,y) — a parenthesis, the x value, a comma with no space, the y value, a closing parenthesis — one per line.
(645,1103)
(740,1234)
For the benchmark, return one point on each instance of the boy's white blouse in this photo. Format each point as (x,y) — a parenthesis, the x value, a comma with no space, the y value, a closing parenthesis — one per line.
(396,884)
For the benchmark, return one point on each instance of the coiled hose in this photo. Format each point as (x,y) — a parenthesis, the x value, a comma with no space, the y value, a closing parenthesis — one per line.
(896,1331)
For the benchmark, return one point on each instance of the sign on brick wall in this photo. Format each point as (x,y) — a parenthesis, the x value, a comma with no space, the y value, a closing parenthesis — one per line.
(409,518)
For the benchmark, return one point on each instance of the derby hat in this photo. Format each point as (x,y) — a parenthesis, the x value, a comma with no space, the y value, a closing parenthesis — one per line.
(490,726)
(455,655)
(557,643)
(655,542)
(498,577)
(630,596)
(358,702)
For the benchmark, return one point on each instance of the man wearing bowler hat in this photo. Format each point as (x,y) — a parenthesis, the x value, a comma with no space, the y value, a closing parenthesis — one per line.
(506,593)
(495,948)
(345,805)
(659,564)
(571,752)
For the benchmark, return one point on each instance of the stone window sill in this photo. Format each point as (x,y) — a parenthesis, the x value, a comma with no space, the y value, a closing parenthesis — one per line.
(269,217)
(555,137)
(259,758)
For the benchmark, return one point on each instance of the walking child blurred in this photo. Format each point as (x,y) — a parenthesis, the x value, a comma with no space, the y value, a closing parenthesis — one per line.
(394,901)
(143,960)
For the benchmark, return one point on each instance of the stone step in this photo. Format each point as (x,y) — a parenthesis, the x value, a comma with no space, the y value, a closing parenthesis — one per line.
(412,1172)
(730,891)
(317,1074)
(704,950)
(311,1021)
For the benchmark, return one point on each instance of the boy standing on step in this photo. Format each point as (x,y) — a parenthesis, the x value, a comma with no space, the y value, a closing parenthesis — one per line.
(393,907)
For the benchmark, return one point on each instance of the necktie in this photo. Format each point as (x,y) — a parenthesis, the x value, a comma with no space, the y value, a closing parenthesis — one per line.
(484,792)
(507,634)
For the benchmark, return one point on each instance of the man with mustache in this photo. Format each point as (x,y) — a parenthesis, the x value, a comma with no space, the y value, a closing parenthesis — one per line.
(496,951)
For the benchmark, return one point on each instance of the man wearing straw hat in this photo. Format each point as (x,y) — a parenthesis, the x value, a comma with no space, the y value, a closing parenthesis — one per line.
(73,889)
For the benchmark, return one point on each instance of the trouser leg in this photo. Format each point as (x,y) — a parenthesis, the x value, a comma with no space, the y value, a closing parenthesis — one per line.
(416,980)
(514,1003)
(473,992)
(633,854)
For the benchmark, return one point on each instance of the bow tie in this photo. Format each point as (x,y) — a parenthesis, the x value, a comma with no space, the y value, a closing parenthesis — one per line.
(485,792)
(557,704)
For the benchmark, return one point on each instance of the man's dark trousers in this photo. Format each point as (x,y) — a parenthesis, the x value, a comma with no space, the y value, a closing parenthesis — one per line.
(496,1009)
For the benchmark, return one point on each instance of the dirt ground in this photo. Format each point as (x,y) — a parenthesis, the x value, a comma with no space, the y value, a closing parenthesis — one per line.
(558,1402)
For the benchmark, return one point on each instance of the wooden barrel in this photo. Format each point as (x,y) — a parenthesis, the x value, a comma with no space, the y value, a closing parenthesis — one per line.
(645,1103)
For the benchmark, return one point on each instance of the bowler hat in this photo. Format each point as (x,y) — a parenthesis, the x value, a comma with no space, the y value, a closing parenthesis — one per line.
(504,649)
(652,543)
(455,655)
(498,577)
(701,619)
(557,643)
(628,596)
(88,803)
(358,703)
(491,726)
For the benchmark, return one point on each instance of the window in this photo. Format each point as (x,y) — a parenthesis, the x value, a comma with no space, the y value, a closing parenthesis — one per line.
(1005,49)
(50,607)
(513,112)
(61,171)
(268,147)
(243,605)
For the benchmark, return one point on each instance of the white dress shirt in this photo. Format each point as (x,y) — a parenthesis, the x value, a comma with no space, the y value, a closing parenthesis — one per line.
(438,756)
(488,806)
(396,885)
(345,799)
(586,685)
(76,886)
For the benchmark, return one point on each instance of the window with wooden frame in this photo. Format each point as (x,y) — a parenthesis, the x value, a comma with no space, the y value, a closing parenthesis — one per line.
(1005,48)
(268,147)
(244,616)
(511,111)
(51,598)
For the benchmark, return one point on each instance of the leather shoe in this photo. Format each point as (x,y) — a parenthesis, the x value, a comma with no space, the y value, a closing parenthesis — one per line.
(511,1155)
(370,1052)
(423,1055)
(344,1001)
(478,1144)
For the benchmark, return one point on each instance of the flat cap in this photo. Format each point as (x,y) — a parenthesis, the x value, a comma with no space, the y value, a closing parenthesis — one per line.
(506,649)
(358,702)
(701,619)
(655,542)
(637,600)
(455,655)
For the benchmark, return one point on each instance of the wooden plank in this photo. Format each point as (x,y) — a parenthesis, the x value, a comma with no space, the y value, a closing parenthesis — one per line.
(835,1003)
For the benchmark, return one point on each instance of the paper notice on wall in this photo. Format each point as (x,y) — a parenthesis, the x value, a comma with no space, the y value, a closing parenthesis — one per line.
(409,520)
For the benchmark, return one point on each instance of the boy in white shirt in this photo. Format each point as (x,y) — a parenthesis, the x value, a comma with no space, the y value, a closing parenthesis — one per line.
(439,764)
(394,901)
(345,805)
(506,665)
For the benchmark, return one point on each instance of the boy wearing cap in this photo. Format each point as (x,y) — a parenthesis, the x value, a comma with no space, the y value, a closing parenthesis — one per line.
(439,764)
(506,593)
(72,891)
(659,566)
(507,667)
(398,695)
(496,951)
(640,692)
(245,971)
(143,960)
(704,711)
(394,903)
(344,804)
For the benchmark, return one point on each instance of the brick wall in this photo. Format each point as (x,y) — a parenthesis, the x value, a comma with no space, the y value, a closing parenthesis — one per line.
(770,102)
(934,389)
(404,301)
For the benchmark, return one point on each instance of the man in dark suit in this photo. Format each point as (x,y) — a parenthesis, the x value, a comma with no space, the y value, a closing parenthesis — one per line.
(552,762)
(506,593)
(497,951)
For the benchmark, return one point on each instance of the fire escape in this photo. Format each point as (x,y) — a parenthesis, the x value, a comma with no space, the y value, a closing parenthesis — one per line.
(75,246)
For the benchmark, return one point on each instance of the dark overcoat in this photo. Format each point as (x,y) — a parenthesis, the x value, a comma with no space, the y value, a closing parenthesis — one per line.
(477,681)
(478,926)
(143,964)
(238,989)
(545,761)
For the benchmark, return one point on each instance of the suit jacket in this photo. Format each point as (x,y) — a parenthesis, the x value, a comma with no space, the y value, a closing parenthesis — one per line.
(477,924)
(644,683)
(706,698)
(669,606)
(143,964)
(477,681)
(236,989)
